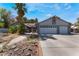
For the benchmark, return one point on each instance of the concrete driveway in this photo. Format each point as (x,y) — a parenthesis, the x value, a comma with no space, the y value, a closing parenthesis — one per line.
(63,45)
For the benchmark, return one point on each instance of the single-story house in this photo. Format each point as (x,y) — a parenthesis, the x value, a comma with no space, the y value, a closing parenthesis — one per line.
(54,25)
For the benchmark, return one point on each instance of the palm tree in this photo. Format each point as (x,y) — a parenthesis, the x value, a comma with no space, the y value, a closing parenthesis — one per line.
(5,15)
(21,9)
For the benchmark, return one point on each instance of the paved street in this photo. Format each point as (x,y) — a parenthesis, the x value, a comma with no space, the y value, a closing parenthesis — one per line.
(64,45)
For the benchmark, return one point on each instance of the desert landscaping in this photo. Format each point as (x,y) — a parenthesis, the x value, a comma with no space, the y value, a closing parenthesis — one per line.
(23,32)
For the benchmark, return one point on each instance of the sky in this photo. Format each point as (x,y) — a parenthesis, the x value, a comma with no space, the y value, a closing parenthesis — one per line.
(42,11)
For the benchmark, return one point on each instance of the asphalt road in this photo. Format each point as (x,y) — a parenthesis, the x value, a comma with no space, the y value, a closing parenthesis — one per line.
(64,45)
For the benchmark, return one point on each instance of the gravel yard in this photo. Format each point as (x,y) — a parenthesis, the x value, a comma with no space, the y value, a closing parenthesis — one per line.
(22,48)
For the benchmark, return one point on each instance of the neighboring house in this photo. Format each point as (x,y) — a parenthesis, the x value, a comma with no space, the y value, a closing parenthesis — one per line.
(75,28)
(30,27)
(54,25)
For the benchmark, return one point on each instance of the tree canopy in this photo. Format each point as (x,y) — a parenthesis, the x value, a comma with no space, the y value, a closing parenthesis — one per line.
(5,15)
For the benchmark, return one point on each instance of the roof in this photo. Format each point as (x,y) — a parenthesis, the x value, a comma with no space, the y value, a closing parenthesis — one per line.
(30,24)
(55,17)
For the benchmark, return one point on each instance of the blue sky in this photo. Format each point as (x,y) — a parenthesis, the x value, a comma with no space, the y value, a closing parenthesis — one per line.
(42,11)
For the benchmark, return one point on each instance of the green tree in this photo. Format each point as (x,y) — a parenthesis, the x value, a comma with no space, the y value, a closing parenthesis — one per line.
(36,20)
(32,20)
(21,9)
(24,19)
(5,15)
(77,24)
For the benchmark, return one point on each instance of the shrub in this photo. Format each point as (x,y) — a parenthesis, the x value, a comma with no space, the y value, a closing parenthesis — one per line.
(12,29)
(21,29)
(33,36)
(1,24)
(17,28)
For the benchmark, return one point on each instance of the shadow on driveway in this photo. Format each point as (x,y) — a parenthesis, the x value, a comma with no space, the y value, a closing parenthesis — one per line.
(48,37)
(45,36)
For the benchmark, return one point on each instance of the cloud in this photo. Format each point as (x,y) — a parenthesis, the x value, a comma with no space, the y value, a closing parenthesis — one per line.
(56,7)
(35,6)
(31,7)
(77,14)
(13,13)
(68,7)
(66,4)
(49,15)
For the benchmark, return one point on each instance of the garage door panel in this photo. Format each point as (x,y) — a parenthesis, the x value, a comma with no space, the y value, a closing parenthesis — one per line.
(48,30)
(63,30)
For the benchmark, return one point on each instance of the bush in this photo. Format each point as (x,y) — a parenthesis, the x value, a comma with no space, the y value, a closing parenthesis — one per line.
(21,29)
(33,36)
(12,29)
(18,28)
(1,24)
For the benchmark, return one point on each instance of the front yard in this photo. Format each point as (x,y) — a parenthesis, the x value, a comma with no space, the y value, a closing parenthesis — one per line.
(27,47)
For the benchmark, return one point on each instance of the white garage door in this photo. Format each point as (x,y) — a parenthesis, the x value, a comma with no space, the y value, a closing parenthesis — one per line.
(63,30)
(48,30)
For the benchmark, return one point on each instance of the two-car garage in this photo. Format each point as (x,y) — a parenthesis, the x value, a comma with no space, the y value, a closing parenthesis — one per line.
(54,30)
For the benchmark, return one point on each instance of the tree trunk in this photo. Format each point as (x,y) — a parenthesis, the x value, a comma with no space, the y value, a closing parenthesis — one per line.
(21,29)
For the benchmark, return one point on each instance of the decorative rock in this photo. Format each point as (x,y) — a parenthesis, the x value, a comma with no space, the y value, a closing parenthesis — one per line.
(13,46)
(28,54)
(23,48)
(1,48)
(30,49)
(16,49)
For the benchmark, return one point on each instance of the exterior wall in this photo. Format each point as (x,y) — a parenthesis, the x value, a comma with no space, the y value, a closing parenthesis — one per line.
(69,30)
(58,30)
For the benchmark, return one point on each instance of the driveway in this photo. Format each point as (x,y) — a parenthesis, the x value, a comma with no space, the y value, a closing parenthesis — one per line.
(62,45)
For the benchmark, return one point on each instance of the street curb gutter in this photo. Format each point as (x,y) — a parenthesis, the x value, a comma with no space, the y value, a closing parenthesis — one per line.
(40,52)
